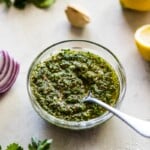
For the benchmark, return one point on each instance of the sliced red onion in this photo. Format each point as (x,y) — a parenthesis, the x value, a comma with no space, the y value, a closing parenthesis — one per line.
(12,79)
(6,66)
(2,60)
(9,73)
(9,70)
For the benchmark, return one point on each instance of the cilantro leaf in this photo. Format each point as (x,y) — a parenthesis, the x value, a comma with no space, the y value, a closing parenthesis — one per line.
(14,146)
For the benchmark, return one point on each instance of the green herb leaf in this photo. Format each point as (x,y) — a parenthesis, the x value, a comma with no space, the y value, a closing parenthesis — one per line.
(7,2)
(43,3)
(40,145)
(35,145)
(20,3)
(14,146)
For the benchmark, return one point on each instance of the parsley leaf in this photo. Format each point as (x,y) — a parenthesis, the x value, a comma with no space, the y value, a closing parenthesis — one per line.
(34,145)
(14,146)
(40,145)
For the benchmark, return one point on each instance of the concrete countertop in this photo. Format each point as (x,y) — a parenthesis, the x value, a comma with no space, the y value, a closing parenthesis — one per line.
(26,33)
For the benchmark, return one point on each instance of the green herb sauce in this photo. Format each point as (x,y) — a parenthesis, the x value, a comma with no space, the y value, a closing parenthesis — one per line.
(62,81)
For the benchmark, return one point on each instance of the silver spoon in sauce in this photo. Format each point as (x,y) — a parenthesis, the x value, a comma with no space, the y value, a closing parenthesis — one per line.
(140,126)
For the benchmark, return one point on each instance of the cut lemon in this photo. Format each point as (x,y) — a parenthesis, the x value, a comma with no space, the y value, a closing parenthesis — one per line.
(139,5)
(142,39)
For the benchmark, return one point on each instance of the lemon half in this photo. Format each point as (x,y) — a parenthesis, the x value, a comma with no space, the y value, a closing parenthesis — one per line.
(142,39)
(139,5)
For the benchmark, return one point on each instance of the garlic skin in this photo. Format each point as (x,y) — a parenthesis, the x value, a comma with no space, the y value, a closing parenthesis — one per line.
(76,17)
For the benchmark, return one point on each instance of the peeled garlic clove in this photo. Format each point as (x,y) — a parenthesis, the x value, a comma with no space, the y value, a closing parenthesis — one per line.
(76,17)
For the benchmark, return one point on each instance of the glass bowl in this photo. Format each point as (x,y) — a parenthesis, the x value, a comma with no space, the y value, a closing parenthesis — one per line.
(85,46)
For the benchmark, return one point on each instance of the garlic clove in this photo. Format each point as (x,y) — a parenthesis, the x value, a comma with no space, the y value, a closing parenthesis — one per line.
(76,17)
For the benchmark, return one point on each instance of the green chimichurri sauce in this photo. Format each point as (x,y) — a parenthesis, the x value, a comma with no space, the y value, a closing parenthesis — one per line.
(62,81)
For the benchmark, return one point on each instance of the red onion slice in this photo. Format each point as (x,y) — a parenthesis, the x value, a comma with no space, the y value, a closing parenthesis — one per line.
(11,78)
(6,65)
(9,70)
(8,75)
(2,60)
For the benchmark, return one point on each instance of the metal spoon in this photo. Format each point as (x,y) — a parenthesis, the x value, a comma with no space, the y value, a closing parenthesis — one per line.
(140,126)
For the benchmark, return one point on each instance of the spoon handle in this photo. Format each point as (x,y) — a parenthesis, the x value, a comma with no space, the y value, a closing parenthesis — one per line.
(140,126)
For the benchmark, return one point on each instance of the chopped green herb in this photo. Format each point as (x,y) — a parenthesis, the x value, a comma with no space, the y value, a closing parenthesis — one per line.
(62,81)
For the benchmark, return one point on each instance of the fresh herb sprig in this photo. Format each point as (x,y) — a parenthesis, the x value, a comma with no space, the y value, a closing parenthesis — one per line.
(39,145)
(21,4)
(34,145)
(14,146)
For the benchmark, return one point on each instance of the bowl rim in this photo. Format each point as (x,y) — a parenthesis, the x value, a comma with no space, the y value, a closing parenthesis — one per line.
(74,125)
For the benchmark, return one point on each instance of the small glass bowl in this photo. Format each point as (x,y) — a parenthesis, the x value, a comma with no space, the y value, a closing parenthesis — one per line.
(85,46)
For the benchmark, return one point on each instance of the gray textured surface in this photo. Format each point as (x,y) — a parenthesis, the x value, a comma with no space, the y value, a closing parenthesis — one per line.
(25,33)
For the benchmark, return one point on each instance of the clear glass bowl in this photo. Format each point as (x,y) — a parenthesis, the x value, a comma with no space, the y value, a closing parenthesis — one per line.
(85,46)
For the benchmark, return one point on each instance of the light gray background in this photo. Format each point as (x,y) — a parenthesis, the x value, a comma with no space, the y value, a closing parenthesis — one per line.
(26,33)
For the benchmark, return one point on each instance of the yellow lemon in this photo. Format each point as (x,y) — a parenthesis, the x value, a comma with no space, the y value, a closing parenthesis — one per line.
(139,5)
(142,39)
